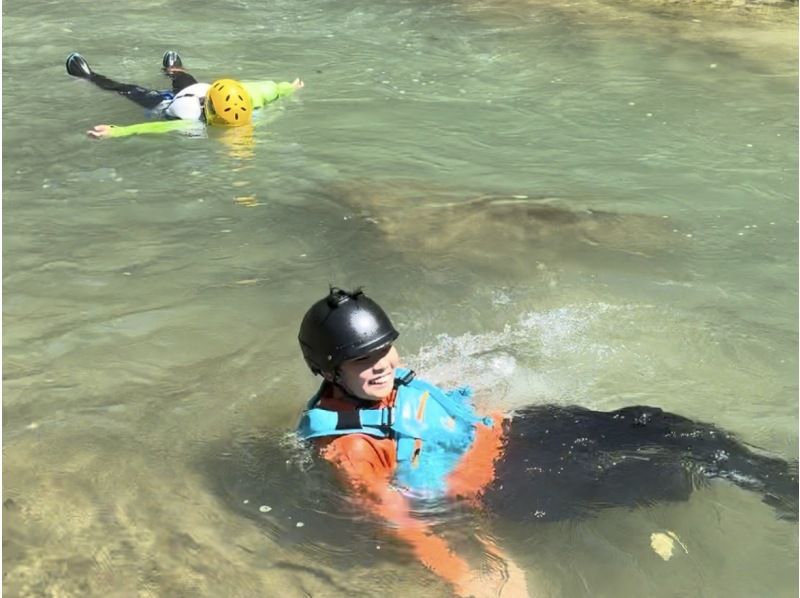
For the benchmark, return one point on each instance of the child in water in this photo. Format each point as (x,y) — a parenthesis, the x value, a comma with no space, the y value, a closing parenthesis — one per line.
(224,102)
(396,440)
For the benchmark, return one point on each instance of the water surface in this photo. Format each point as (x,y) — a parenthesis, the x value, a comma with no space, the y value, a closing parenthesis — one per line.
(573,204)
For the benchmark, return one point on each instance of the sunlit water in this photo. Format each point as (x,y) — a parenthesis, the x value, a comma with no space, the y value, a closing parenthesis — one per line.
(556,204)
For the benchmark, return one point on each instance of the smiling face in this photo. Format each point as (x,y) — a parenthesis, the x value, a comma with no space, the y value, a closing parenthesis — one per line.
(370,377)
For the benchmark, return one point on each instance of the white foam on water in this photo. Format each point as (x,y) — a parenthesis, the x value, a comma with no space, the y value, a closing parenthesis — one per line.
(545,356)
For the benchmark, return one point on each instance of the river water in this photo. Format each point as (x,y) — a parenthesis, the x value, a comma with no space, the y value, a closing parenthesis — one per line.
(556,203)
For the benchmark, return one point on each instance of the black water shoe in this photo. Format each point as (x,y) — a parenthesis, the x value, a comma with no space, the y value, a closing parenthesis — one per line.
(78,67)
(171,60)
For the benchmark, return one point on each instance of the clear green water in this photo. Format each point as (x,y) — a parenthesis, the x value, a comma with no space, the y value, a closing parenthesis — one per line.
(153,286)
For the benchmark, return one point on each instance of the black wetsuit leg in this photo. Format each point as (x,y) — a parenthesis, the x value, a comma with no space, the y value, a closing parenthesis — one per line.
(147,98)
(564,462)
(180,80)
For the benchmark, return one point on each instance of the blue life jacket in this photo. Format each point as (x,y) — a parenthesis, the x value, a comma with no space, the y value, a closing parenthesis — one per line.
(432,430)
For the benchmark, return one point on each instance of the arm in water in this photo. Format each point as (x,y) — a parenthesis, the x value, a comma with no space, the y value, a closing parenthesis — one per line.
(264,92)
(161,126)
(366,470)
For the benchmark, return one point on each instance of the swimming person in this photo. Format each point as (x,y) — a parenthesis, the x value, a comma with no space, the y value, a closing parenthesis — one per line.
(397,441)
(224,102)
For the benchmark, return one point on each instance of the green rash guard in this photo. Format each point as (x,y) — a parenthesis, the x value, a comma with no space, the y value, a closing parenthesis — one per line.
(261,93)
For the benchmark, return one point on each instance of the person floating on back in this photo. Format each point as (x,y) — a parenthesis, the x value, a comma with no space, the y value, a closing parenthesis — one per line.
(224,102)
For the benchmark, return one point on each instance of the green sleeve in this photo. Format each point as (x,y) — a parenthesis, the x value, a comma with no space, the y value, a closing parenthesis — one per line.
(156,126)
(264,92)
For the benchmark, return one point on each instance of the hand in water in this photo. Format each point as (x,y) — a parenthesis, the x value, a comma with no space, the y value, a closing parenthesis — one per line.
(100,132)
(505,581)
(515,586)
(297,84)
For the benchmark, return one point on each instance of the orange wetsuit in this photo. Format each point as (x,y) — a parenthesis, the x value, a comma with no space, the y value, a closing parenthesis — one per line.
(367,465)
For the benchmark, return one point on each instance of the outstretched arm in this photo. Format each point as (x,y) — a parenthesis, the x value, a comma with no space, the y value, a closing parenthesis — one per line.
(264,92)
(160,126)
(366,472)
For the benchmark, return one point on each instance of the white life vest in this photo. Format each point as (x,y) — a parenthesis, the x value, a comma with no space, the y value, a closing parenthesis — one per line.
(188,103)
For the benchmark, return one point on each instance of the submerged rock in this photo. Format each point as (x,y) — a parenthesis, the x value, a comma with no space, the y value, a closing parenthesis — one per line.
(503,232)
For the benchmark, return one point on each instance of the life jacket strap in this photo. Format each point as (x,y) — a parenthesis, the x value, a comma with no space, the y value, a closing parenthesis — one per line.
(365,418)
(405,379)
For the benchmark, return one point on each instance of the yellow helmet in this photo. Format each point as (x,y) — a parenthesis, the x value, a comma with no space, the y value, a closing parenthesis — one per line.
(228,103)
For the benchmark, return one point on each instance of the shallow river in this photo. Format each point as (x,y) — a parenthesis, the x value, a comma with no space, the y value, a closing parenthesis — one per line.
(566,204)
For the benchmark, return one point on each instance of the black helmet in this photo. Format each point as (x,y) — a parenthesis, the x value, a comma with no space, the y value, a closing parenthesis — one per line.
(342,326)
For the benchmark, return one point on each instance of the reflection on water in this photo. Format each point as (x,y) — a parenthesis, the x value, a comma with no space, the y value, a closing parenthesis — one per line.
(239,141)
(571,204)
